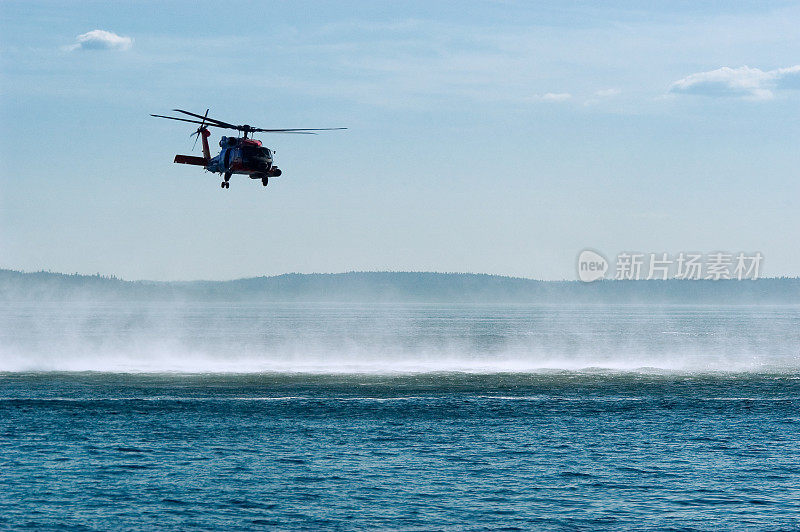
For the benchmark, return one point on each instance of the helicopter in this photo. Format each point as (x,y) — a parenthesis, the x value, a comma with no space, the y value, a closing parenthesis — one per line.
(239,155)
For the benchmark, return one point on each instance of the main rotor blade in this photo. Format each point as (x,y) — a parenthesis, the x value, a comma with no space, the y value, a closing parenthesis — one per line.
(186,120)
(220,122)
(300,130)
(212,122)
(283,132)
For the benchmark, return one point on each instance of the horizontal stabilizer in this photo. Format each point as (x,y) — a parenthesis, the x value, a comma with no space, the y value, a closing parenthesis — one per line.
(190,159)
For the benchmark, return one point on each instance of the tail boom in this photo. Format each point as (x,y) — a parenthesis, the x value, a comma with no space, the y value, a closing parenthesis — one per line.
(206,133)
(198,161)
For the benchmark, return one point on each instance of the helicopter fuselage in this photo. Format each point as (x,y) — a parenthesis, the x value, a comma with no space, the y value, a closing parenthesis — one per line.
(238,156)
(243,156)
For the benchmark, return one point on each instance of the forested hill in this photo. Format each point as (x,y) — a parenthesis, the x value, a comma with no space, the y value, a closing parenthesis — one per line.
(387,287)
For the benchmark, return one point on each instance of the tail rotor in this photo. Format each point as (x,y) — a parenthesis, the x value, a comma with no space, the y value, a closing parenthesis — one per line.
(200,129)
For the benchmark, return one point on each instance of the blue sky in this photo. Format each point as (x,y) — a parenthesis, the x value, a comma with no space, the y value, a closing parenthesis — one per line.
(496,137)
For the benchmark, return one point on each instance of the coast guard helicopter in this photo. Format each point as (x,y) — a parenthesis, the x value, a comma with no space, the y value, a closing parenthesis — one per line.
(239,155)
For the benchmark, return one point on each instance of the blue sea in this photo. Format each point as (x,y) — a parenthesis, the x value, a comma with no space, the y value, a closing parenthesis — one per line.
(417,417)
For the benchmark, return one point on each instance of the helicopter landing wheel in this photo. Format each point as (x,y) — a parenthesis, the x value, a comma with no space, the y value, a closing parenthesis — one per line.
(264,181)
(225,184)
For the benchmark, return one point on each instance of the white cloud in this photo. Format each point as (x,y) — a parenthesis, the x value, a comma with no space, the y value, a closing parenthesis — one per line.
(101,40)
(600,95)
(787,78)
(552,97)
(743,82)
(607,93)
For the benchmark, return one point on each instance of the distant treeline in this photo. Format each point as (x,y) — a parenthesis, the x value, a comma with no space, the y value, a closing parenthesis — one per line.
(405,287)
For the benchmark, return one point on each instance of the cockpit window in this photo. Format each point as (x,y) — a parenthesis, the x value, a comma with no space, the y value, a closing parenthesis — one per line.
(255,152)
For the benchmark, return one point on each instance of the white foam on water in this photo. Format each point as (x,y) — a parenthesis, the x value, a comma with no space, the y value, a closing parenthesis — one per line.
(322,340)
(172,360)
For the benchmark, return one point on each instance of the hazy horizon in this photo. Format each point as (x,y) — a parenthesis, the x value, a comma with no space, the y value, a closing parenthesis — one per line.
(112,275)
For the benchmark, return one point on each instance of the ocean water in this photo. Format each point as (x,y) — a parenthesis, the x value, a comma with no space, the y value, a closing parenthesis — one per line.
(241,417)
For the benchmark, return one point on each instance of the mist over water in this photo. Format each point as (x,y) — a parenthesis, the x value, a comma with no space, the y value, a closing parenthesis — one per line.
(340,417)
(382,338)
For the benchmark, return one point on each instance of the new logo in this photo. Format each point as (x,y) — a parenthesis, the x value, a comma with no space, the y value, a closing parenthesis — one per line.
(591,266)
